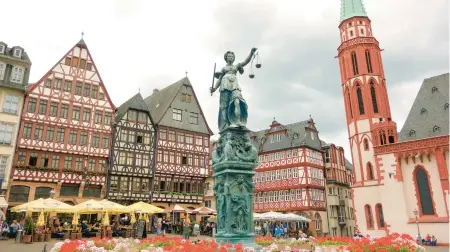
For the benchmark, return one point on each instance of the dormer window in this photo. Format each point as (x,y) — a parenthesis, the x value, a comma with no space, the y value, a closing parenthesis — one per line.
(2,48)
(423,111)
(412,133)
(295,135)
(17,53)
(446,106)
(434,89)
(276,138)
(436,128)
(2,70)
(17,74)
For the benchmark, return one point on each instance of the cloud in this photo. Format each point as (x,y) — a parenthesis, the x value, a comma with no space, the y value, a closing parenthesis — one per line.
(150,44)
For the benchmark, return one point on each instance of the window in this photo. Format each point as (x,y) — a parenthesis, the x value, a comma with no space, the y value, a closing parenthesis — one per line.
(102,166)
(31,105)
(44,160)
(3,162)
(49,134)
(176,114)
(107,118)
(78,88)
(136,185)
(79,164)
(87,90)
(64,111)
(436,128)
(162,134)
(94,91)
(370,171)
(318,221)
(32,161)
(86,115)
(368,61)
(105,142)
(68,86)
(19,193)
(17,53)
(73,137)
(374,97)
(101,96)
(69,190)
(172,136)
(68,163)
(95,140)
(139,137)
(75,62)
(27,131)
(189,139)
(76,113)
(380,216)
(89,66)
(198,141)
(98,117)
(355,64)
(423,187)
(6,131)
(82,63)
(57,84)
(38,132)
(67,61)
(142,117)
(21,158)
(366,144)
(369,217)
(92,192)
(193,119)
(43,107)
(91,165)
(11,104)
(114,183)
(360,99)
(53,109)
(55,161)
(208,203)
(60,135)
(131,115)
(349,102)
(2,69)
(327,155)
(17,74)
(2,48)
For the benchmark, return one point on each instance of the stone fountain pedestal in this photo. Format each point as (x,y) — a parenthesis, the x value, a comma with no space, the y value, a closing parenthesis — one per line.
(234,160)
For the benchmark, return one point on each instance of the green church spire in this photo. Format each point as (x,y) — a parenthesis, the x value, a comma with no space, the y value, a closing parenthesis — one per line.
(352,8)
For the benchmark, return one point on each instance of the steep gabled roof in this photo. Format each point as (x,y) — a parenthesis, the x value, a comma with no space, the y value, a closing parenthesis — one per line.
(159,102)
(352,8)
(429,115)
(80,44)
(136,102)
(296,135)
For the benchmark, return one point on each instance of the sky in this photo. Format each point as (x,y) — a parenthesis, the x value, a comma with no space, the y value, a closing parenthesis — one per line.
(145,44)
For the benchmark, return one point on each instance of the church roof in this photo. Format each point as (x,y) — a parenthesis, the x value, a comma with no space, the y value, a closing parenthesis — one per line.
(136,102)
(429,115)
(293,135)
(352,8)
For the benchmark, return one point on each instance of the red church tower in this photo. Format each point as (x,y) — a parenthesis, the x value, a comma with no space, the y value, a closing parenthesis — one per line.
(367,107)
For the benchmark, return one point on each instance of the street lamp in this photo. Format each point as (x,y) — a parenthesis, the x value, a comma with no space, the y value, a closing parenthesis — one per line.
(52,193)
(416,213)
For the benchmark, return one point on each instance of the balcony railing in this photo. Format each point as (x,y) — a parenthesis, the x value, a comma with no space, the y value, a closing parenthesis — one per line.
(178,196)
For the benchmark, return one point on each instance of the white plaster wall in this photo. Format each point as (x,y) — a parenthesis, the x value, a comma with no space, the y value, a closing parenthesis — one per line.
(362,196)
(351,128)
(356,163)
(363,126)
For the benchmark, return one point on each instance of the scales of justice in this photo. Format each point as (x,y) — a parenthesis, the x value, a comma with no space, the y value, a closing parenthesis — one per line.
(235,158)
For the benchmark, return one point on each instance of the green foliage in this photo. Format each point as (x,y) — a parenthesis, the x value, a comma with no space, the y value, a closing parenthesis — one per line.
(29,226)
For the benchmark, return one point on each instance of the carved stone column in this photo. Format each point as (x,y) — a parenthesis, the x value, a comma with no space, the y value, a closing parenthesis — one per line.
(234,160)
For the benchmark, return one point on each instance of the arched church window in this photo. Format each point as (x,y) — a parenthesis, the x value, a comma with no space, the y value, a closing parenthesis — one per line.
(368,61)
(374,97)
(382,138)
(424,190)
(366,144)
(370,171)
(351,33)
(355,64)
(380,216)
(349,103)
(360,99)
(369,216)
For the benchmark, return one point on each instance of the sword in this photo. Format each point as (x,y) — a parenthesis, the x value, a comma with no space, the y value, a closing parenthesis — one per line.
(214,74)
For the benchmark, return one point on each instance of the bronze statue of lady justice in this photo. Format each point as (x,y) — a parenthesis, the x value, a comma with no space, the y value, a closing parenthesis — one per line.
(233,111)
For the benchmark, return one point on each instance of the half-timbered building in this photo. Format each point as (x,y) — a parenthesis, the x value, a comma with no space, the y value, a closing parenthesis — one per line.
(182,160)
(65,133)
(290,174)
(15,68)
(132,156)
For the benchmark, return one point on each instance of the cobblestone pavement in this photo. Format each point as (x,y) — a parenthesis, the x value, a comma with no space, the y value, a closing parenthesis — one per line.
(11,246)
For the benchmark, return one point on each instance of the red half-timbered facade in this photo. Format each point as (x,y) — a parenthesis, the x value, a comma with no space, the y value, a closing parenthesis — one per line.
(65,133)
(183,136)
(290,175)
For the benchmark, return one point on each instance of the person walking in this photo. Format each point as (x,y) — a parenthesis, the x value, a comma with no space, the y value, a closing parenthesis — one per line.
(186,229)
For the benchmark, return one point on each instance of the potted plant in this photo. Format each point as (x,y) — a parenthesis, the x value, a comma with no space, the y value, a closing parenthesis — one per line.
(28,230)
(48,235)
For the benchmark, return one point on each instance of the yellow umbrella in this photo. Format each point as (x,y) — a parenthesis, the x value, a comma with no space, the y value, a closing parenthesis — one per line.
(46,205)
(90,206)
(133,218)
(23,207)
(75,219)
(114,207)
(145,208)
(41,220)
(106,219)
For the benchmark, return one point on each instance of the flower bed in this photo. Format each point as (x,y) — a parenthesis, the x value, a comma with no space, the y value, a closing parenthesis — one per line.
(391,243)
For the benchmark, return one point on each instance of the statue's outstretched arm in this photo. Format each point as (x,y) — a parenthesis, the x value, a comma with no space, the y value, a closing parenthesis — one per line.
(248,59)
